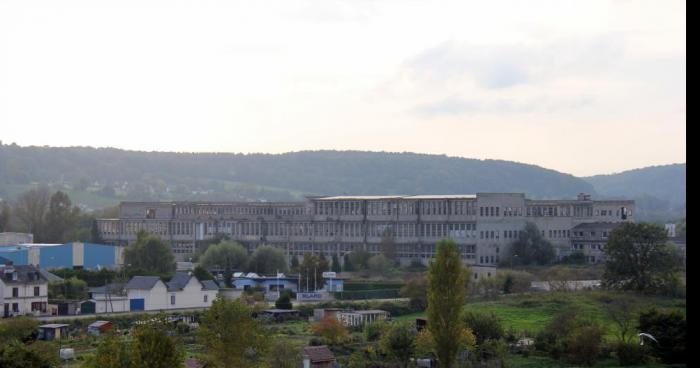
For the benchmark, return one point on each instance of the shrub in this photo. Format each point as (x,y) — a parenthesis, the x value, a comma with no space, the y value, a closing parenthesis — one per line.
(283,302)
(583,345)
(669,329)
(486,326)
(373,330)
(491,351)
(631,353)
(331,329)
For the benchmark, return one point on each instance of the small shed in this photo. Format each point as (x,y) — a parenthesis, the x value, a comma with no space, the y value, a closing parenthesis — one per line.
(97,328)
(360,317)
(318,357)
(421,323)
(321,313)
(53,331)
(280,314)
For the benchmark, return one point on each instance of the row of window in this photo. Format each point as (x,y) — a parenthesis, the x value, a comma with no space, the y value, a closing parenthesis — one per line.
(578,246)
(346,229)
(239,210)
(15,292)
(388,208)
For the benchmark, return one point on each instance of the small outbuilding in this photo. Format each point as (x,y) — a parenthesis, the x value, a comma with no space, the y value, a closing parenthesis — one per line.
(318,357)
(98,328)
(280,315)
(53,331)
(360,317)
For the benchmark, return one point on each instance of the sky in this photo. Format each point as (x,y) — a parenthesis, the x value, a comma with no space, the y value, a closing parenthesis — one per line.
(582,87)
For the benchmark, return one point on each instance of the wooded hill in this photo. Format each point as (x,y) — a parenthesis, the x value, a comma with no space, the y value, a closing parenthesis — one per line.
(100,177)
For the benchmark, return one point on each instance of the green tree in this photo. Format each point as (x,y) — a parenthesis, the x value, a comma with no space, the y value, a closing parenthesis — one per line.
(639,259)
(150,254)
(112,352)
(380,264)
(347,263)
(331,329)
(670,330)
(374,330)
(4,216)
(447,287)
(335,264)
(359,259)
(485,326)
(231,336)
(531,247)
(61,218)
(153,347)
(284,355)
(267,260)
(294,264)
(226,255)
(311,271)
(36,355)
(30,209)
(95,236)
(399,343)
(22,329)
(71,289)
(416,290)
(202,274)
(284,302)
(680,228)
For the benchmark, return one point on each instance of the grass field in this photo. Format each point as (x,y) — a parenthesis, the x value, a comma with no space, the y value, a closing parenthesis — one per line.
(530,313)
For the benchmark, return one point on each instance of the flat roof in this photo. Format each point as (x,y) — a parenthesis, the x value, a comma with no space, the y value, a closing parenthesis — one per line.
(398,196)
(53,325)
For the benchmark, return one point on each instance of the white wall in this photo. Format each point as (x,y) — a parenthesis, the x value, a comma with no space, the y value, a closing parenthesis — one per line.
(154,299)
(192,296)
(113,304)
(25,297)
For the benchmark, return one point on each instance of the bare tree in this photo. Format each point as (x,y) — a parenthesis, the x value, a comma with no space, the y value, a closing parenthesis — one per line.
(623,312)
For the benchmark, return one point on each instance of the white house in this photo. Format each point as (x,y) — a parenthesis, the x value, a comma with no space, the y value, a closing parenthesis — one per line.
(182,291)
(107,299)
(146,293)
(24,290)
(186,291)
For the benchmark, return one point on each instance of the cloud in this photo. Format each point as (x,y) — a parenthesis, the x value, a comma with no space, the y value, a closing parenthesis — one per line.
(455,106)
(505,66)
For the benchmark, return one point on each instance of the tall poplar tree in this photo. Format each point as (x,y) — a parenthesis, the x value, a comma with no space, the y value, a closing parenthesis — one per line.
(447,289)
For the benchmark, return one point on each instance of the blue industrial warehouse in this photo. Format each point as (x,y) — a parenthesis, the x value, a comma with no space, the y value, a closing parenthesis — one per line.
(69,255)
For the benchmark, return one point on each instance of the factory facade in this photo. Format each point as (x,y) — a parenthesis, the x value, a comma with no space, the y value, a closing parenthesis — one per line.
(483,224)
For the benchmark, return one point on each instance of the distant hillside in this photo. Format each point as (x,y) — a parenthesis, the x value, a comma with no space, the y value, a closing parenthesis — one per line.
(120,174)
(660,191)
(102,177)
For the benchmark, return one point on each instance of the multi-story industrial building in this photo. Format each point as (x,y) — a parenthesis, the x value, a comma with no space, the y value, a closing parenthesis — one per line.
(483,225)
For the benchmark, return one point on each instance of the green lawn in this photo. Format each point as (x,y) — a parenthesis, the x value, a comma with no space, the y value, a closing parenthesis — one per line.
(530,313)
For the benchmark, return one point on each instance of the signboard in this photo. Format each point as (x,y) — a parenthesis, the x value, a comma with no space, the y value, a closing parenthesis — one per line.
(310,296)
(329,275)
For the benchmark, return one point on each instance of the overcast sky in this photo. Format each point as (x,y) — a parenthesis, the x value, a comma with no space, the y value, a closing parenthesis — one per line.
(583,87)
